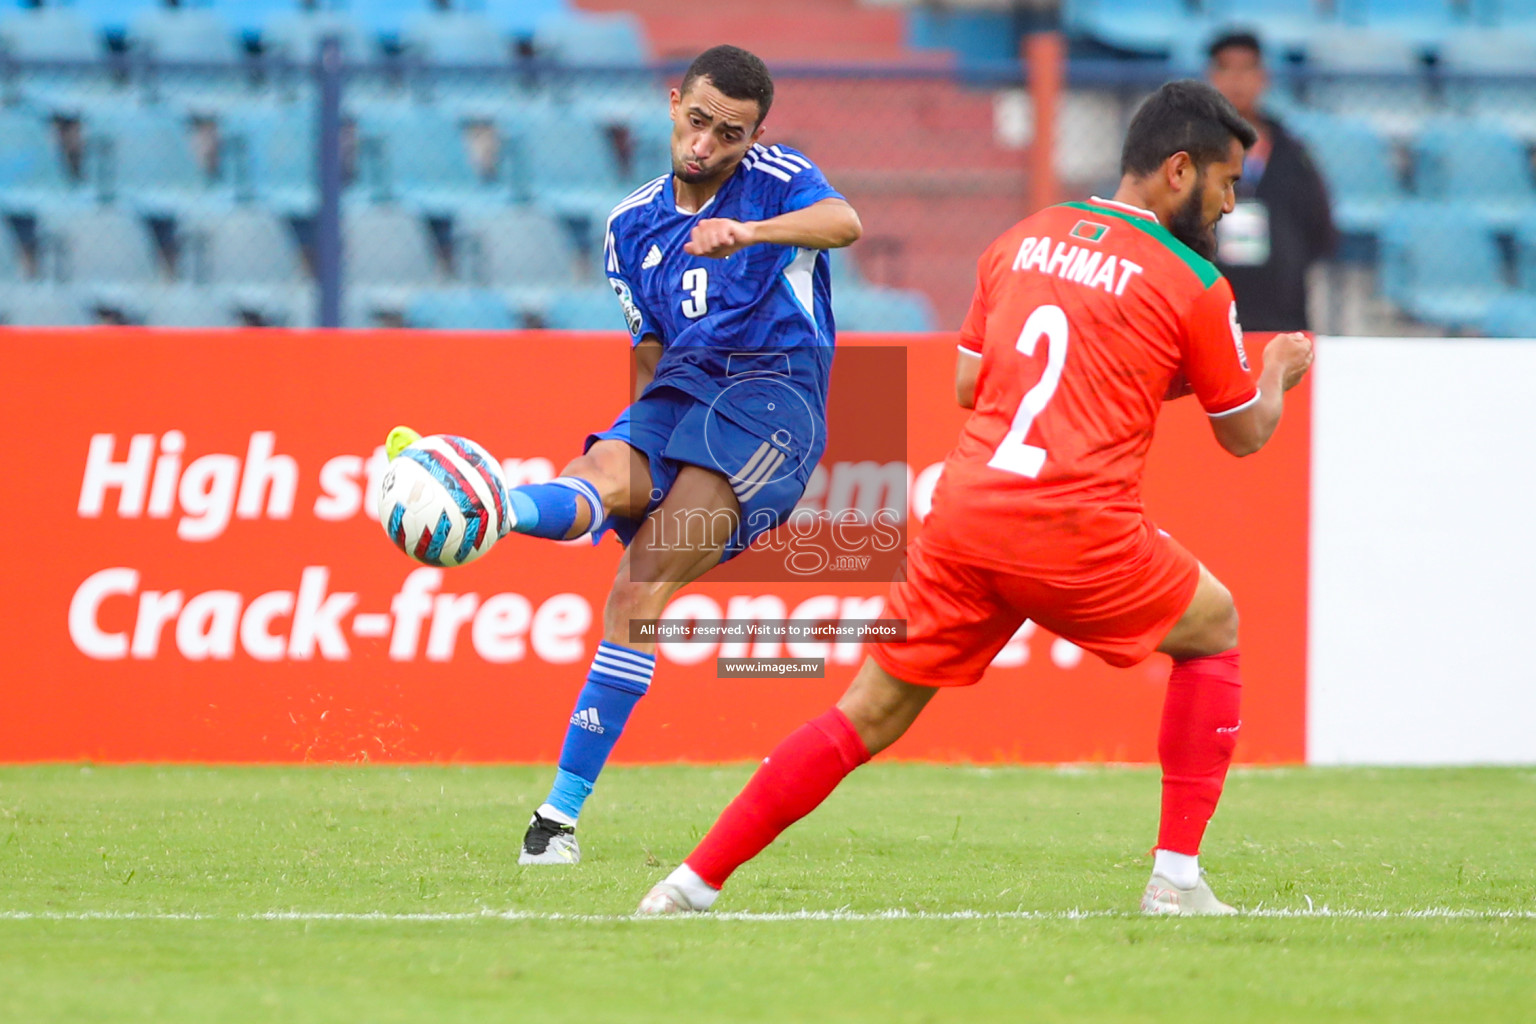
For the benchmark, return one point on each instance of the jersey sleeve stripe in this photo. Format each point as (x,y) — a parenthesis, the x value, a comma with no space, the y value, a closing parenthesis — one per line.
(794,158)
(639,198)
(1237,408)
(781,175)
(968,351)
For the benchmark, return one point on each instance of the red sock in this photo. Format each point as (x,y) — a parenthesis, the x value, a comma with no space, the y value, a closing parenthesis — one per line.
(1200,723)
(792,781)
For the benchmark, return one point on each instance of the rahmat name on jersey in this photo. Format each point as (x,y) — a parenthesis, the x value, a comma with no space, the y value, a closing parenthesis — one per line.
(1075,263)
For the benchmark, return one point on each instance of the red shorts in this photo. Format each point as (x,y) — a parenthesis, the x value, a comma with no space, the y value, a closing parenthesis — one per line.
(960,615)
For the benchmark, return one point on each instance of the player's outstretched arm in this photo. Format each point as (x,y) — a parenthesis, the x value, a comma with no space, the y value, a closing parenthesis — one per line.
(1287,358)
(829,224)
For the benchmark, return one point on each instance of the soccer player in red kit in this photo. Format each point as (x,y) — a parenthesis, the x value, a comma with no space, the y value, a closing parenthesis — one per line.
(1087,316)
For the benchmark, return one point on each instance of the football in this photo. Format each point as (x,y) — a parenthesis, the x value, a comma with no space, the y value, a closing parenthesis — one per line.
(443,500)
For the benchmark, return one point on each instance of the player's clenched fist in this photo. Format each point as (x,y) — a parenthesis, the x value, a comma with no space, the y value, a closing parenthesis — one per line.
(1291,351)
(719,237)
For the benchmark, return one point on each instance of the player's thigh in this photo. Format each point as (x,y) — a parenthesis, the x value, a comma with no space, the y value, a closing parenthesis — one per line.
(956,621)
(1120,612)
(620,472)
(1208,625)
(683,538)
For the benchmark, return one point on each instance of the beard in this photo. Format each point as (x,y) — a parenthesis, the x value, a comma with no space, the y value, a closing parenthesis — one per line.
(1188,223)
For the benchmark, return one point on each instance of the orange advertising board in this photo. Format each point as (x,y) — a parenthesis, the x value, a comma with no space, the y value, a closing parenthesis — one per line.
(204,578)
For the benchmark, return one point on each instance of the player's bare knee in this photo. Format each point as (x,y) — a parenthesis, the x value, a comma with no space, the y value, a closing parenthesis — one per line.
(881,707)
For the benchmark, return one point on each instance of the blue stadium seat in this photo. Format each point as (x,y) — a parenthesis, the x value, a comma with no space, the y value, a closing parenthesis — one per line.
(583,309)
(32,175)
(980,39)
(107,16)
(1456,159)
(42,305)
(241,246)
(11,268)
(384,17)
(1423,21)
(1373,74)
(251,17)
(1505,13)
(297,34)
(144,157)
(460,310)
(872,308)
(97,246)
(182,34)
(418,156)
(271,158)
(1487,75)
(597,40)
(1525,258)
(386,246)
(1510,316)
(520,18)
(515,247)
(1147,26)
(48,33)
(561,158)
(179,305)
(1357,164)
(1440,262)
(454,37)
(1282,25)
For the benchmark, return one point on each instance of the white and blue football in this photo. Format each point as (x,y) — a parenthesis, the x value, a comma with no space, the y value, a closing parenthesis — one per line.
(443,500)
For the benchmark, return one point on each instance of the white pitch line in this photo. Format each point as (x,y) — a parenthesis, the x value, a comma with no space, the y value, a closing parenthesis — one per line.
(1437,913)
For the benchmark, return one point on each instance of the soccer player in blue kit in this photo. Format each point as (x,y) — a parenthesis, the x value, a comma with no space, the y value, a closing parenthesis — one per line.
(721,270)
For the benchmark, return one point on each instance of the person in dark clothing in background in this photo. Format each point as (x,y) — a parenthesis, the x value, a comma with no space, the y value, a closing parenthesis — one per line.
(1282,223)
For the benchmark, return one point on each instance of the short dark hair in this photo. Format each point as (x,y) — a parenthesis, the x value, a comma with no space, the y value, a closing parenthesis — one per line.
(1240,39)
(1183,117)
(735,72)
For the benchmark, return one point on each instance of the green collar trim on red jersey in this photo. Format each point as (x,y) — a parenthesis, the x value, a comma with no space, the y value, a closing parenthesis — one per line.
(1204,269)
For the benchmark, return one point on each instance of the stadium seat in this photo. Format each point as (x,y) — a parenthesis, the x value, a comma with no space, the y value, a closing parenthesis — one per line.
(47,33)
(459,310)
(144,157)
(582,309)
(1357,164)
(1422,21)
(1525,258)
(252,17)
(520,18)
(453,37)
(515,247)
(1510,316)
(1487,75)
(32,175)
(270,156)
(179,305)
(384,18)
(12,269)
(182,34)
(1440,262)
(1373,74)
(418,156)
(1146,26)
(594,40)
(561,158)
(109,17)
(1505,13)
(97,246)
(297,34)
(1282,25)
(244,245)
(872,308)
(980,39)
(386,246)
(42,305)
(1456,159)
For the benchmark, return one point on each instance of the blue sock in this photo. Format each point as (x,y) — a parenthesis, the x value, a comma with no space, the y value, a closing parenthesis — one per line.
(549,510)
(616,681)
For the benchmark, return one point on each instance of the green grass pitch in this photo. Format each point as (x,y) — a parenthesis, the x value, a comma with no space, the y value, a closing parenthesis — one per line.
(174,894)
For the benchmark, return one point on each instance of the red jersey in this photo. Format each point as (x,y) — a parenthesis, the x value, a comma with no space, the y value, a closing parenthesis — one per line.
(1084,315)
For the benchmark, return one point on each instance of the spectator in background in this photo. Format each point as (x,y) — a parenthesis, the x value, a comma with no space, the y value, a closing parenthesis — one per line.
(1282,223)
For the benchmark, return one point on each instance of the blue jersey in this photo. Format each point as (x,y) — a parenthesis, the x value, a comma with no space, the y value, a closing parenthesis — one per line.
(764,312)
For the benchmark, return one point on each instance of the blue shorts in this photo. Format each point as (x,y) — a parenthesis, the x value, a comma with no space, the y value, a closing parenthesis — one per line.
(674,429)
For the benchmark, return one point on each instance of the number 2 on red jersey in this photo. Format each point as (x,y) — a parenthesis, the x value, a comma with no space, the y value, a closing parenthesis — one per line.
(1013,453)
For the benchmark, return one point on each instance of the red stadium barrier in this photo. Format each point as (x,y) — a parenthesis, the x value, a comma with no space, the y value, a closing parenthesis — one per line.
(207,583)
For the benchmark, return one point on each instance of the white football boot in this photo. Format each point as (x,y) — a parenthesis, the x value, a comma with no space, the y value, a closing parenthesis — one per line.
(1163,898)
(549,842)
(666,898)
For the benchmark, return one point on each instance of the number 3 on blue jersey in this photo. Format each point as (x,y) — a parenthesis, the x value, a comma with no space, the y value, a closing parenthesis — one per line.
(696,283)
